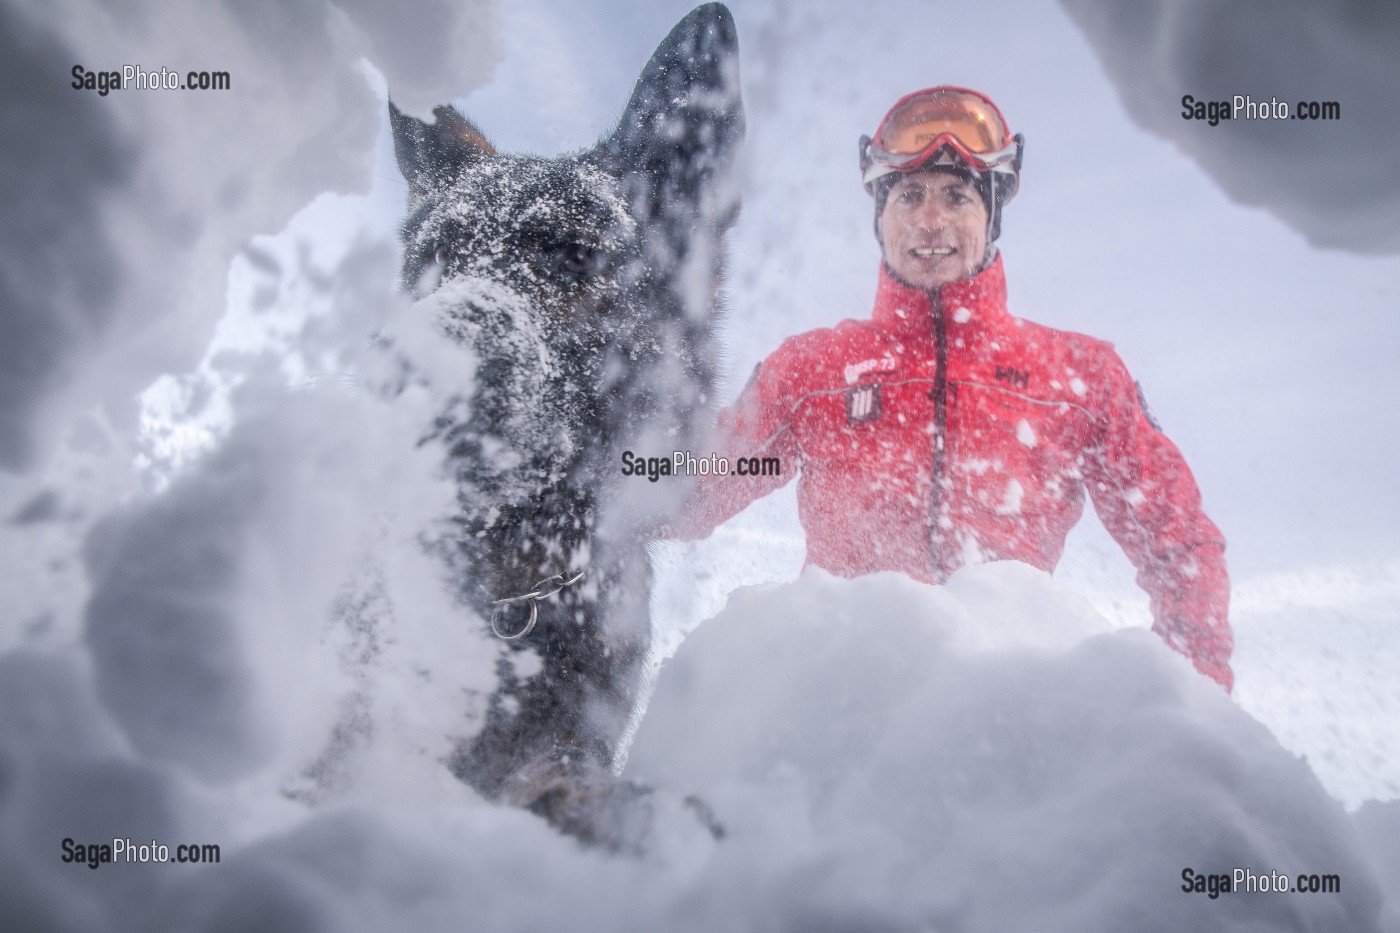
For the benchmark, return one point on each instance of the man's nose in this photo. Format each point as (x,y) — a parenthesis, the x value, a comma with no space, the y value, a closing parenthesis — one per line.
(932,213)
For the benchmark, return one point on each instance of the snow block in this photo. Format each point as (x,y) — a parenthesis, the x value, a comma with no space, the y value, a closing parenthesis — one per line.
(162,623)
(878,743)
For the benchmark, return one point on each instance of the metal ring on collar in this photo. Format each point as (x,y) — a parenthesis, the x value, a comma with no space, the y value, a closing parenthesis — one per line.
(534,616)
(534,596)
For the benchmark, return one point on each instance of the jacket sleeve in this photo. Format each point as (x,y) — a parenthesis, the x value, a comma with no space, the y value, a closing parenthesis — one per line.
(1148,500)
(757,424)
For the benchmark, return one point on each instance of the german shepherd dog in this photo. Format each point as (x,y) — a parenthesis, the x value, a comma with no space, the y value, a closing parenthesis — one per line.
(586,287)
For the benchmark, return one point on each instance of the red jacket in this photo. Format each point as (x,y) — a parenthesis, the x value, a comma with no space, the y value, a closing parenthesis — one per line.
(944,431)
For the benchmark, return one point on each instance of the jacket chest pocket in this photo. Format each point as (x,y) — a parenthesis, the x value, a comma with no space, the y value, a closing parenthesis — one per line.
(1014,455)
(883,429)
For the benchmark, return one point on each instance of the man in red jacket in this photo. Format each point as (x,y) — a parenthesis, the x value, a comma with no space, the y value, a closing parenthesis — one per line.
(943,431)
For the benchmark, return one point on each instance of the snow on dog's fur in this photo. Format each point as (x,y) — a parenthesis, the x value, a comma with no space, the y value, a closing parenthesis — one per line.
(584,286)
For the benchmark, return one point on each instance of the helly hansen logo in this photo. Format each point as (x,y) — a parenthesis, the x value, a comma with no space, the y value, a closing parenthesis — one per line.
(1017,377)
(863,404)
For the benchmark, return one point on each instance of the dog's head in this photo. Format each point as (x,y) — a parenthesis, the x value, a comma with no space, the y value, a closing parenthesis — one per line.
(585,284)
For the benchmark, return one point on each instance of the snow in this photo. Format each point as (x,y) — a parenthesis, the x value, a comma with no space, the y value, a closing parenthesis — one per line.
(1296,51)
(1004,752)
(1025,433)
(1011,498)
(984,756)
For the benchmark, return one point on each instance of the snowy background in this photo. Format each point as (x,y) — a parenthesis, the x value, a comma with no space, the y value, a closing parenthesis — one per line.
(187,279)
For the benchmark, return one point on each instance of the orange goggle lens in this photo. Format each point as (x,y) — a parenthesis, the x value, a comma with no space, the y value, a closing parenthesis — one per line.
(915,123)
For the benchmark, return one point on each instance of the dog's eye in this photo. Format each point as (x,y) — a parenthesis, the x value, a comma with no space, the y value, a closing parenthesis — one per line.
(432,267)
(577,261)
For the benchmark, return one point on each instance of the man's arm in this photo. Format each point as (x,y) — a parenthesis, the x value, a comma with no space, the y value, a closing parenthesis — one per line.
(757,424)
(1148,500)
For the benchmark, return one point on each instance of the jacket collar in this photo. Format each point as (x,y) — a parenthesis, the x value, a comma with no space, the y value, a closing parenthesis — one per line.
(906,311)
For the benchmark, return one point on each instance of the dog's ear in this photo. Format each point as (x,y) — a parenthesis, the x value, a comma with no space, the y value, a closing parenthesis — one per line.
(431,154)
(682,127)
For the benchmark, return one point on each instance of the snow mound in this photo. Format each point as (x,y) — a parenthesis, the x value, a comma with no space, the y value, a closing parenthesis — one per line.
(871,743)
(879,760)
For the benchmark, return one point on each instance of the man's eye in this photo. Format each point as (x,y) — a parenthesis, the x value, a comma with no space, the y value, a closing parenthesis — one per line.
(577,261)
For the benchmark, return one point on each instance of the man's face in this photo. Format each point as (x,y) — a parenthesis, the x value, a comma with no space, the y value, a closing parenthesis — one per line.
(934,229)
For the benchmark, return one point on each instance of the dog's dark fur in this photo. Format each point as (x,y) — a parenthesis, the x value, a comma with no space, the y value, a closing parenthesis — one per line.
(574,280)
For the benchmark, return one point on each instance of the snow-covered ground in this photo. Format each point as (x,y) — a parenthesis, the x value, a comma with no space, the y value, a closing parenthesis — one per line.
(190,475)
(989,755)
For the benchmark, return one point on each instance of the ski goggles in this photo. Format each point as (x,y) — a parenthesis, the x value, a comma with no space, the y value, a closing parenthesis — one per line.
(922,124)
